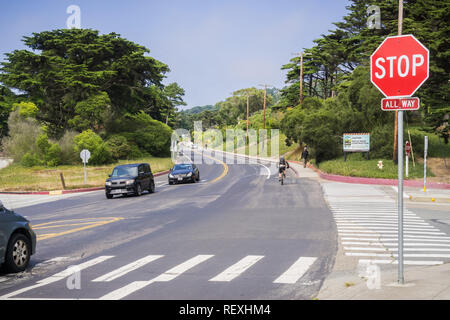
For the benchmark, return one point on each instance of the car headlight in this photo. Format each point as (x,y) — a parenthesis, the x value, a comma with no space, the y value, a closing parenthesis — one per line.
(170,175)
(108,183)
(189,174)
(129,182)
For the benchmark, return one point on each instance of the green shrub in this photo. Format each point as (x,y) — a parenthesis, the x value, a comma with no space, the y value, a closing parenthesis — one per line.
(22,136)
(53,155)
(436,145)
(89,140)
(382,142)
(151,136)
(118,146)
(101,155)
(26,109)
(49,153)
(69,154)
(30,160)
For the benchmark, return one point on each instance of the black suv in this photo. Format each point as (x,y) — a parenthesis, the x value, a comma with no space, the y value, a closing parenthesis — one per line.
(130,179)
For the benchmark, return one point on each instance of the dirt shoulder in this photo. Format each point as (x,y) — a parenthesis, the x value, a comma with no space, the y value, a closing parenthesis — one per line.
(441,172)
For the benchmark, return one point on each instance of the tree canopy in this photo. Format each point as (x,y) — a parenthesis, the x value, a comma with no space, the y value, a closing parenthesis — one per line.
(78,78)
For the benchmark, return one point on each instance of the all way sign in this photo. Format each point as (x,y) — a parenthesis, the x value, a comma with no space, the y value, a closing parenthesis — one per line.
(393,104)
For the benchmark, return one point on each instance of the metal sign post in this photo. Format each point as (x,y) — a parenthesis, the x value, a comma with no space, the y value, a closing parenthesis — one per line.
(425,151)
(400,196)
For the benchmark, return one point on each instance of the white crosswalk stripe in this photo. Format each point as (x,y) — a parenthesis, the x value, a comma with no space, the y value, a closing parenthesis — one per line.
(166,276)
(290,276)
(368,227)
(237,269)
(126,269)
(296,271)
(58,276)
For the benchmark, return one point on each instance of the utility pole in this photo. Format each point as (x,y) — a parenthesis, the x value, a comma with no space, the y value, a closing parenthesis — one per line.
(301,54)
(265,99)
(264,112)
(247,118)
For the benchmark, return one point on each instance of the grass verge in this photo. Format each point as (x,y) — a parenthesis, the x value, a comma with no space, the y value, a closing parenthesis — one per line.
(18,178)
(357,166)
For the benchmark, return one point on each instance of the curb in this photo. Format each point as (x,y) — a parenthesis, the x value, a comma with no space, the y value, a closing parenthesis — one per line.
(292,168)
(59,192)
(428,199)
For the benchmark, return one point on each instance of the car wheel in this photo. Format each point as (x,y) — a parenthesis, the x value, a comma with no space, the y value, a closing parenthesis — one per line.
(170,182)
(198,178)
(109,196)
(138,190)
(151,189)
(18,253)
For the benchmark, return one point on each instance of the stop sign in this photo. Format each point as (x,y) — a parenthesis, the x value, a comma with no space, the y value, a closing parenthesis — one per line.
(399,66)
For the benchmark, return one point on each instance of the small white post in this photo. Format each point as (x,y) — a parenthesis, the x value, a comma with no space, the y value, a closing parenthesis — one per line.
(407,160)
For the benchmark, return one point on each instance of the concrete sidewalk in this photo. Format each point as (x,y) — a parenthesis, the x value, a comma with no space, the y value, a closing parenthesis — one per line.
(350,280)
(420,283)
(427,195)
(412,194)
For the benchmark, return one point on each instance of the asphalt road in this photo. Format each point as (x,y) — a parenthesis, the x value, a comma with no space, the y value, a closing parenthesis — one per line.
(237,234)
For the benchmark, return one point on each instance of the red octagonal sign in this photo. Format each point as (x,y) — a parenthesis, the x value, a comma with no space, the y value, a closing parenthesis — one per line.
(399,66)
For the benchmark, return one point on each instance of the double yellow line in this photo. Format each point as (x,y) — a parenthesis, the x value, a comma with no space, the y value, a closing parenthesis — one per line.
(225,168)
(96,222)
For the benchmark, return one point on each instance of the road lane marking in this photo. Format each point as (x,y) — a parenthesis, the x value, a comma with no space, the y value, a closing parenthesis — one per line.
(359,221)
(58,276)
(374,227)
(395,249)
(225,168)
(386,224)
(410,232)
(296,271)
(406,255)
(393,244)
(166,276)
(237,269)
(96,222)
(410,262)
(393,238)
(127,268)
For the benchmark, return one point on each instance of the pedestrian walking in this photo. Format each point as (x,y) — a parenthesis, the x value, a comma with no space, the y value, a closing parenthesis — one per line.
(305,155)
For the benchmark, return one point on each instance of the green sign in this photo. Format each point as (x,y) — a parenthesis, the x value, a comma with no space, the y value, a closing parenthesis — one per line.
(356,142)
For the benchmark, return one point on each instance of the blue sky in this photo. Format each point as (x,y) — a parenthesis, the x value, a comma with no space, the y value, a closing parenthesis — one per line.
(212,47)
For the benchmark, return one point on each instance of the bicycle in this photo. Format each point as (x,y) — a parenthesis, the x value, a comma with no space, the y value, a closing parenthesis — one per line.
(283,176)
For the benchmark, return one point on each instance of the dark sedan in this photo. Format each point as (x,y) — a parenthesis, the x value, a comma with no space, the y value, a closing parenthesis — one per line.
(17,240)
(184,172)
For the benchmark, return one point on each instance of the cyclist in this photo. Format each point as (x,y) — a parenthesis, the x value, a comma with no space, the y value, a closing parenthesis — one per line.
(282,165)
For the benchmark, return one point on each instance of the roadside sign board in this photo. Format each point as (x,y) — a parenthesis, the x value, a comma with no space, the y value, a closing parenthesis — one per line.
(356,142)
(85,155)
(399,66)
(394,104)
